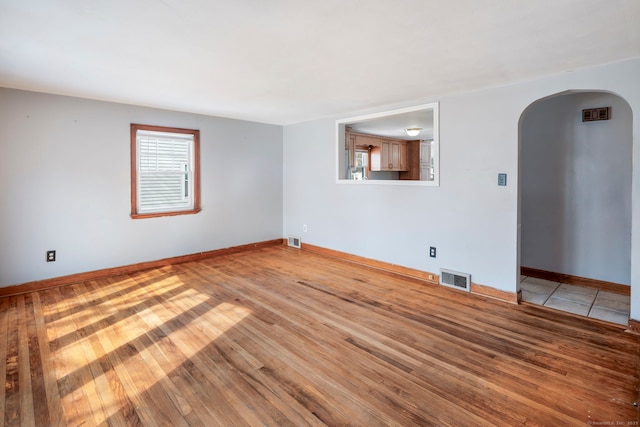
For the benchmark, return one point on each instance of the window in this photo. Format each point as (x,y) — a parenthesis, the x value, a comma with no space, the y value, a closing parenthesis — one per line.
(398,147)
(165,173)
(361,167)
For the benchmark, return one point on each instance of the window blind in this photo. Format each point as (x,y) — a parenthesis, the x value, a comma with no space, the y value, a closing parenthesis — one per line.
(164,171)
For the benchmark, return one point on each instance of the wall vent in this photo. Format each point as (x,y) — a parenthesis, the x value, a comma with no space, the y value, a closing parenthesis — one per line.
(455,280)
(595,114)
(294,241)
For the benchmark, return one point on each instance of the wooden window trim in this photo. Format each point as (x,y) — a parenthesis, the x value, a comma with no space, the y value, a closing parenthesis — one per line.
(134,172)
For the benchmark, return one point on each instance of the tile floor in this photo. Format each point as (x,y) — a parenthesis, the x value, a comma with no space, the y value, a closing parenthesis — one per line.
(590,302)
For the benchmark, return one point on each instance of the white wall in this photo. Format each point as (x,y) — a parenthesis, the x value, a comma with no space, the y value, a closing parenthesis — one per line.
(65,174)
(472,221)
(576,187)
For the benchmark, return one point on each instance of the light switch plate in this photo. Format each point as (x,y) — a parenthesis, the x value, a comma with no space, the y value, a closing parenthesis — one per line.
(502,179)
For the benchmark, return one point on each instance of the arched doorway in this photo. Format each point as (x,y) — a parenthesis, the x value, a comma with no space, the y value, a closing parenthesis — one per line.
(575,205)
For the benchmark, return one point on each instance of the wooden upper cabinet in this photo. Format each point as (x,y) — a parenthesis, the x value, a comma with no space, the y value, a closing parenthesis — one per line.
(366,140)
(385,154)
(375,158)
(412,161)
(350,145)
(393,156)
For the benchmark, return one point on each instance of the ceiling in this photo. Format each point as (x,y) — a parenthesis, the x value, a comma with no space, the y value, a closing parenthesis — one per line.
(288,61)
(393,125)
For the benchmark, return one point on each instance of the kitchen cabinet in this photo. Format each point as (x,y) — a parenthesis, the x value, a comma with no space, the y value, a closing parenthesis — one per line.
(389,155)
(413,161)
(385,154)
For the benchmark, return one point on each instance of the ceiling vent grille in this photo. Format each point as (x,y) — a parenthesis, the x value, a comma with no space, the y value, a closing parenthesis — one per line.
(595,114)
(294,241)
(456,280)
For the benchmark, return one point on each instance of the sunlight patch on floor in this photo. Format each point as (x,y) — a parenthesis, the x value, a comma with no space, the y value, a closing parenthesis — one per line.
(140,360)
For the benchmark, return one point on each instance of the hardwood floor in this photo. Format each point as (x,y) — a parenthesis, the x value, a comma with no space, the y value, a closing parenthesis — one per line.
(279,336)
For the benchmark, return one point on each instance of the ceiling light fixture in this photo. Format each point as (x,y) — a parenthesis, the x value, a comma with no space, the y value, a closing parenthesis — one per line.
(413,131)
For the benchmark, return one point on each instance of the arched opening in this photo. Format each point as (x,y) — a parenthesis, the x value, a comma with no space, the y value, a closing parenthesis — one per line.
(575,205)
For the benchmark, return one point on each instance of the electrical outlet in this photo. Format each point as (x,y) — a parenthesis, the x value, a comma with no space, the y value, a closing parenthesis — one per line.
(432,251)
(51,256)
(304,228)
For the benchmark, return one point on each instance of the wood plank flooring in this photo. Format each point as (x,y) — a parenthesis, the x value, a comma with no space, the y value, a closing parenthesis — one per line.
(279,336)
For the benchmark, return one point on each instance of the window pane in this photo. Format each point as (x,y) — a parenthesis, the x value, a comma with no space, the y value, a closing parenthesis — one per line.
(162,191)
(159,155)
(164,163)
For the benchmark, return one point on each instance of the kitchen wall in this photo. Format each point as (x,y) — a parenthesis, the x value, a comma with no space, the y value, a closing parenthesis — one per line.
(65,186)
(576,187)
(472,221)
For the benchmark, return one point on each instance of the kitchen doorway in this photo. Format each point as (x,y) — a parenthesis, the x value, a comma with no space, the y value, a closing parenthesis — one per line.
(575,200)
